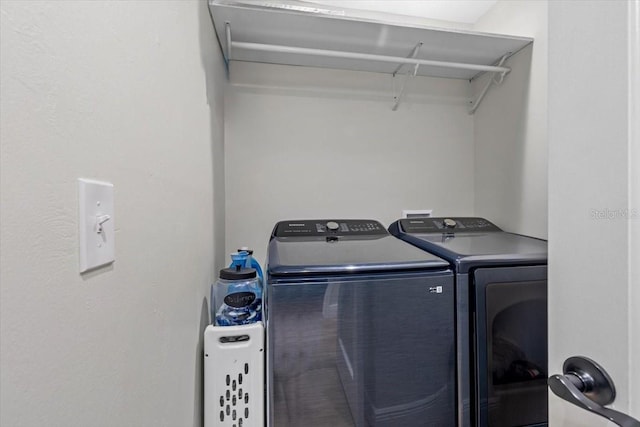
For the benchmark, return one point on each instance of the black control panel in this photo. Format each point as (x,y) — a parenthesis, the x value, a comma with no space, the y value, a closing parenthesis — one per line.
(447,225)
(329,227)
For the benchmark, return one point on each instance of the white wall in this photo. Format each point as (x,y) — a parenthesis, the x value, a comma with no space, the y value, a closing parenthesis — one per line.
(510,126)
(131,93)
(589,171)
(634,203)
(317,143)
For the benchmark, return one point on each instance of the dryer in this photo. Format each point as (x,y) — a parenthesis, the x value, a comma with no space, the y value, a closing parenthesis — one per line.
(501,314)
(360,328)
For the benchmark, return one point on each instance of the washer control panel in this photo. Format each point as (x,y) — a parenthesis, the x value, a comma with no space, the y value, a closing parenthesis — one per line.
(328,227)
(447,225)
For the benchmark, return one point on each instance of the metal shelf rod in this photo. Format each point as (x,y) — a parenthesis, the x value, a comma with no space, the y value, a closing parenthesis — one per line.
(364,56)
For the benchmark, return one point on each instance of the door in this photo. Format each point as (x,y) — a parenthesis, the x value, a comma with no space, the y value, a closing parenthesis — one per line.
(594,210)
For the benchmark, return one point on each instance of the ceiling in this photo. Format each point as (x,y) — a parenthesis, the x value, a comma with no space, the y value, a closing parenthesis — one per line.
(465,11)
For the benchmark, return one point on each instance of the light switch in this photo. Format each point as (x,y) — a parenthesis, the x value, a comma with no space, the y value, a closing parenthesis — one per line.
(97,224)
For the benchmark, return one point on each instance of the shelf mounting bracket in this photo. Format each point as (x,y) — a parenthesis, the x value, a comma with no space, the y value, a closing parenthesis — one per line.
(227,55)
(492,80)
(398,97)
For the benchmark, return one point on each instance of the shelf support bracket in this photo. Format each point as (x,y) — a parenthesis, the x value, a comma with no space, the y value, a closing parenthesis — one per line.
(474,104)
(227,29)
(227,55)
(413,55)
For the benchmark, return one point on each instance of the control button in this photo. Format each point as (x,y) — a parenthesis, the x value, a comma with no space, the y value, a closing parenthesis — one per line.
(449,223)
(332,226)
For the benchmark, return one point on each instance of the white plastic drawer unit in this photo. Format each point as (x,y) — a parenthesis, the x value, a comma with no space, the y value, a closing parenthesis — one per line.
(234,376)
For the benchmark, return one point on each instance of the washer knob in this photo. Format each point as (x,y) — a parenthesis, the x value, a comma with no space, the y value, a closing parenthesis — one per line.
(332,226)
(449,223)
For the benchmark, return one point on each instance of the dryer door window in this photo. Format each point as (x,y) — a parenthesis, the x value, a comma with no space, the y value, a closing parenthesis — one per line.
(511,345)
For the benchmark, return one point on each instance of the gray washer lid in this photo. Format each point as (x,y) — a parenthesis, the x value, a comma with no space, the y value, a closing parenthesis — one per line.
(382,253)
(471,250)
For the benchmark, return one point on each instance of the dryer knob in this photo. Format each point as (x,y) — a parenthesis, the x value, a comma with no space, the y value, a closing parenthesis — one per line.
(449,223)
(332,226)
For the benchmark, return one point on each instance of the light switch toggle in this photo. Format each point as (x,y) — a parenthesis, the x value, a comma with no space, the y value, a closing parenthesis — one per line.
(101,219)
(96,221)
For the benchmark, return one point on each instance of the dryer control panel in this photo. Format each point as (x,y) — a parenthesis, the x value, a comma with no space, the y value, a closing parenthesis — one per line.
(329,227)
(447,225)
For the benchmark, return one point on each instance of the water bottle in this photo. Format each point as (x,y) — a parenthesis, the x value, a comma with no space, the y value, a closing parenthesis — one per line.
(237,295)
(250,261)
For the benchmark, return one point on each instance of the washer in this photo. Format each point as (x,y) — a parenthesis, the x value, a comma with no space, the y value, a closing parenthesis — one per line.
(360,328)
(501,298)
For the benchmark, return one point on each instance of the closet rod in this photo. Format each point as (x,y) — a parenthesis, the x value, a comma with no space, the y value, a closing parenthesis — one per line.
(362,56)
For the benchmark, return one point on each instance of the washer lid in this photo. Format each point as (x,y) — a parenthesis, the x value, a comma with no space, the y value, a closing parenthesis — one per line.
(354,246)
(473,242)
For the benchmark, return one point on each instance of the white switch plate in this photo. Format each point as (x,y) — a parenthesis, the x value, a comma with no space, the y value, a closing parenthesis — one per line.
(97,241)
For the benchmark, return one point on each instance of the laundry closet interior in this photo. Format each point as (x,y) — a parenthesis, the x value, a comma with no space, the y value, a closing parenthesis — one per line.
(340,113)
(302,123)
(316,136)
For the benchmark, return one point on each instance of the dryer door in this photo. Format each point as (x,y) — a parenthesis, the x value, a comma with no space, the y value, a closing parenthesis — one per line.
(511,346)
